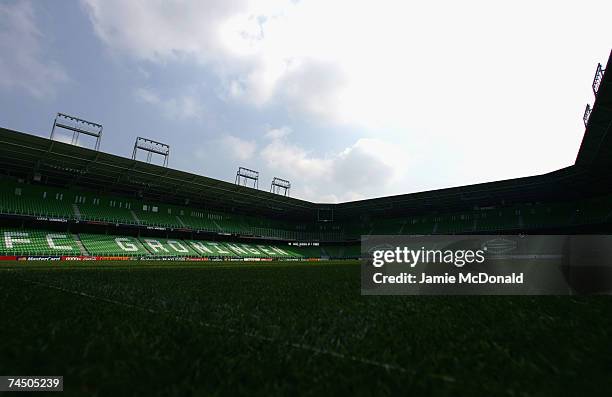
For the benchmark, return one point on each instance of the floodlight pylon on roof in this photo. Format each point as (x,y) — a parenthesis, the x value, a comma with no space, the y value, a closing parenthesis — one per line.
(280,186)
(77,126)
(151,147)
(587,114)
(244,175)
(599,72)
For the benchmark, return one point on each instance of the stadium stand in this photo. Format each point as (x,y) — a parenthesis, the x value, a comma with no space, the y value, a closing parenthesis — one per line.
(418,225)
(593,211)
(103,209)
(43,201)
(105,245)
(210,249)
(38,201)
(200,220)
(497,219)
(50,202)
(167,247)
(37,242)
(308,251)
(116,245)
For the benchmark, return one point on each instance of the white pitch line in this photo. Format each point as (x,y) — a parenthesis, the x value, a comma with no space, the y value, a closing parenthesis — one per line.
(301,346)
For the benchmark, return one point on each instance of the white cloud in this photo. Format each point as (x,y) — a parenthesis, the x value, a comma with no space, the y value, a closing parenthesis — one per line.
(278,133)
(367,167)
(375,66)
(23,64)
(240,149)
(147,95)
(246,42)
(470,91)
(159,30)
(184,107)
(294,161)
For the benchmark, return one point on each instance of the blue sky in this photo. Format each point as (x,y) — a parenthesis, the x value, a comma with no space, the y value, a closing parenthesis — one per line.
(347,99)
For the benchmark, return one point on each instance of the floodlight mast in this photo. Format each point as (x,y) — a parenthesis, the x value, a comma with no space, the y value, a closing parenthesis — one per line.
(587,114)
(599,72)
(244,175)
(279,185)
(77,126)
(151,147)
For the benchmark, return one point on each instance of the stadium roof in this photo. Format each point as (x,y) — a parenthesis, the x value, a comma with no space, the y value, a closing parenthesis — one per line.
(590,175)
(62,164)
(596,148)
(68,165)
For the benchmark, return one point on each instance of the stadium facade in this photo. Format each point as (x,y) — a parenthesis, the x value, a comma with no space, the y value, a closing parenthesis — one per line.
(59,200)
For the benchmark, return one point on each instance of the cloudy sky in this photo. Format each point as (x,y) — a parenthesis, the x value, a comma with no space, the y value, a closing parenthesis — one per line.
(347,99)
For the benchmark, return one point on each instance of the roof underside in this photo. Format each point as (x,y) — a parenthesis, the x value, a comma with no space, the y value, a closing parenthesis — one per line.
(61,164)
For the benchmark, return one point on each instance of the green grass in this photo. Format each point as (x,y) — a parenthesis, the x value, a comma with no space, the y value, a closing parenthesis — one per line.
(284,328)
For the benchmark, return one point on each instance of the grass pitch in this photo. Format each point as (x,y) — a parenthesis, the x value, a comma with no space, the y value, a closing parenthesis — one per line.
(283,328)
